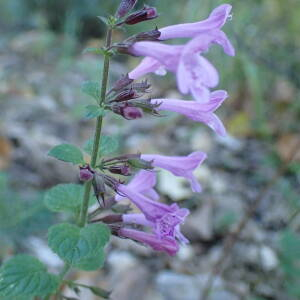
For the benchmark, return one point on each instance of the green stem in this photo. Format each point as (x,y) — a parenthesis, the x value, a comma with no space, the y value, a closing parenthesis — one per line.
(97,138)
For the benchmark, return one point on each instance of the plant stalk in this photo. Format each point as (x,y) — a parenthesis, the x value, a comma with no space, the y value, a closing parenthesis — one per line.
(97,138)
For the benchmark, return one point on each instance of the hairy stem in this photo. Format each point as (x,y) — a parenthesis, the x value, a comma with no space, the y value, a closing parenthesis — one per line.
(97,138)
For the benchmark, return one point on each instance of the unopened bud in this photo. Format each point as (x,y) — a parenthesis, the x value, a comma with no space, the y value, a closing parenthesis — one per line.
(86,174)
(121,170)
(132,113)
(121,83)
(125,95)
(124,7)
(99,187)
(145,14)
(128,111)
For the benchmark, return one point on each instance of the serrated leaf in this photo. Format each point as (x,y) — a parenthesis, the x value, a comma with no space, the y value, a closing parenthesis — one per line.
(64,197)
(73,244)
(67,153)
(91,88)
(25,275)
(94,111)
(94,50)
(91,263)
(108,144)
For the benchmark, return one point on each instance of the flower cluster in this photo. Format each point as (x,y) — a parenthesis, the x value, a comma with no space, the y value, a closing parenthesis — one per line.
(195,75)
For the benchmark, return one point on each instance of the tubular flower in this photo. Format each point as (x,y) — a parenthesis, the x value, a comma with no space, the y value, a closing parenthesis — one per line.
(153,210)
(197,111)
(216,20)
(164,219)
(179,165)
(194,73)
(167,226)
(143,182)
(167,245)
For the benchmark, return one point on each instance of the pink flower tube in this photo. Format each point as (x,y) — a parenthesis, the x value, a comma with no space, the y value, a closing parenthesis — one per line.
(197,111)
(168,245)
(179,165)
(143,182)
(167,226)
(194,73)
(216,20)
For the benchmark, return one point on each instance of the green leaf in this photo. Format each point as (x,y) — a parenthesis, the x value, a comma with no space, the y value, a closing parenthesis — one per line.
(290,245)
(67,153)
(91,263)
(91,88)
(25,275)
(73,244)
(64,197)
(94,111)
(94,50)
(108,144)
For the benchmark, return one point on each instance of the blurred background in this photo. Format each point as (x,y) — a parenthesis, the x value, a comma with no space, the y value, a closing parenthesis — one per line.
(41,105)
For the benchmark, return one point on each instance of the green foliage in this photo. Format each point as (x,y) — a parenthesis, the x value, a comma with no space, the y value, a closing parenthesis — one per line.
(67,153)
(91,88)
(65,197)
(25,275)
(91,263)
(77,245)
(290,261)
(108,145)
(94,111)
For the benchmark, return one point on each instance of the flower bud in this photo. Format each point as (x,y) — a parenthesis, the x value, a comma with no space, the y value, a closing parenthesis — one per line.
(145,14)
(128,111)
(121,170)
(99,187)
(125,95)
(132,113)
(86,174)
(122,83)
(124,7)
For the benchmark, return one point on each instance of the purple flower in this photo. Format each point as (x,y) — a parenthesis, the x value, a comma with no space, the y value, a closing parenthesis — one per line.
(127,111)
(195,73)
(86,174)
(197,111)
(151,209)
(143,182)
(124,7)
(179,165)
(216,20)
(164,219)
(166,226)
(168,245)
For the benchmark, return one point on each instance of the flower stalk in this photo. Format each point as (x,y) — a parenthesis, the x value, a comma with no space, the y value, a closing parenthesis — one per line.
(97,138)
